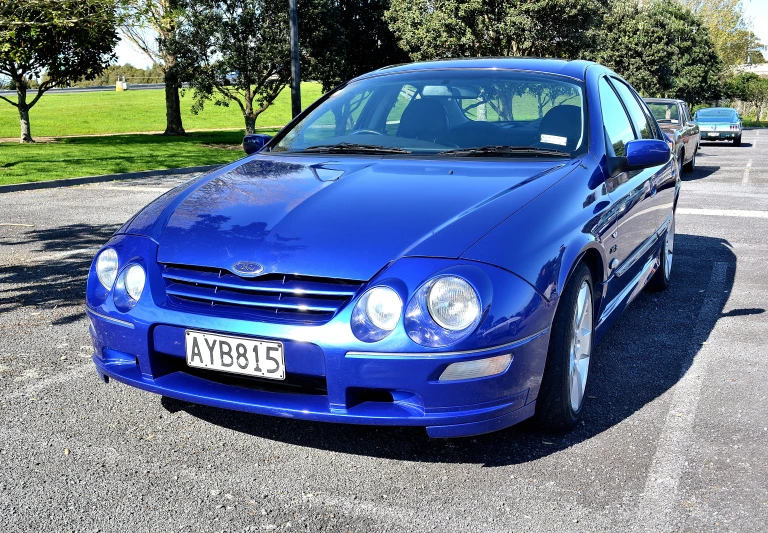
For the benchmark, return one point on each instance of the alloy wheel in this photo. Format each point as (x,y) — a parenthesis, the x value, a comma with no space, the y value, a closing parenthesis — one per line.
(581,346)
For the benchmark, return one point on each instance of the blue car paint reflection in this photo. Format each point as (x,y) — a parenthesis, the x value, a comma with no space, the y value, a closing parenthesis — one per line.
(513,228)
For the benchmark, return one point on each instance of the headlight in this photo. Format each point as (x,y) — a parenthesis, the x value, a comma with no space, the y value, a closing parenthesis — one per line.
(453,303)
(106,267)
(376,314)
(383,307)
(134,281)
(443,311)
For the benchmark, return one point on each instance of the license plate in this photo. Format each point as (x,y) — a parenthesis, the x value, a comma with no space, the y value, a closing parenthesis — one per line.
(250,357)
(713,135)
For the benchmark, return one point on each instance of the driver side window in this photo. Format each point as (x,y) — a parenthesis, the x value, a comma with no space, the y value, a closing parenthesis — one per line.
(618,129)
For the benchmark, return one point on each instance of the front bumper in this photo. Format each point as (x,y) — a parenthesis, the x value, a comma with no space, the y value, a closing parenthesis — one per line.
(350,385)
(330,374)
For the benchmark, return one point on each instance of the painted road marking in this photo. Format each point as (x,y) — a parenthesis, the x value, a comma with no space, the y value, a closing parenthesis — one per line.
(660,500)
(745,179)
(723,212)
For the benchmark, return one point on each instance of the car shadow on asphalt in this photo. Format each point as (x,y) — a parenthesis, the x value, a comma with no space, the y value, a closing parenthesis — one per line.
(645,353)
(52,273)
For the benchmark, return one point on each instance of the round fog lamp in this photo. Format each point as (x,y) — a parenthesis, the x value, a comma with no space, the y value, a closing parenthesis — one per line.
(453,303)
(383,308)
(106,267)
(134,281)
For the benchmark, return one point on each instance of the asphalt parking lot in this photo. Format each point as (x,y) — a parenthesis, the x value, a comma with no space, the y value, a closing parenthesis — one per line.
(674,438)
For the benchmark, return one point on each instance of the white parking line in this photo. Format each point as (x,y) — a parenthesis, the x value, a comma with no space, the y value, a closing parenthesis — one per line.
(722,212)
(659,500)
(745,179)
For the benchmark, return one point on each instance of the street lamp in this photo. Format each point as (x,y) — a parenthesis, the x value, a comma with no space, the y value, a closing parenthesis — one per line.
(295,74)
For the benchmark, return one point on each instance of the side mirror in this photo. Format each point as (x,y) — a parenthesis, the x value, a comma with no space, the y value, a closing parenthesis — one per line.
(644,153)
(253,142)
(640,154)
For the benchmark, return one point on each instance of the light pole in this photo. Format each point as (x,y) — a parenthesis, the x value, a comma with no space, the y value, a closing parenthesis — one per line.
(295,74)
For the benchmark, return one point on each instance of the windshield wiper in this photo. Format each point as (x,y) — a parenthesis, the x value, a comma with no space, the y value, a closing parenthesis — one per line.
(354,147)
(506,150)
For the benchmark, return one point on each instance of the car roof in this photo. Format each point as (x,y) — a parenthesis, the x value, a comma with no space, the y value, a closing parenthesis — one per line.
(663,100)
(718,109)
(574,69)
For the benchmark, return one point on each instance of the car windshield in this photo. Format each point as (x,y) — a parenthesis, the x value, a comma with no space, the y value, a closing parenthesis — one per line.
(665,112)
(461,112)
(717,115)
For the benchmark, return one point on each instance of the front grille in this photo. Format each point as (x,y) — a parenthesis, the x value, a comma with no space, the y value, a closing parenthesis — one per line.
(270,296)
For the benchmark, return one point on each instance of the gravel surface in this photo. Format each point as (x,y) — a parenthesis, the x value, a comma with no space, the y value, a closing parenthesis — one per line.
(674,437)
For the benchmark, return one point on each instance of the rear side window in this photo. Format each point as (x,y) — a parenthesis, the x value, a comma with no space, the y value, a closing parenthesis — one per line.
(618,129)
(643,127)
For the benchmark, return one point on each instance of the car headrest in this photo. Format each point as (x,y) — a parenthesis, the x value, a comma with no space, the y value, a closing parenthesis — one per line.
(425,119)
(561,127)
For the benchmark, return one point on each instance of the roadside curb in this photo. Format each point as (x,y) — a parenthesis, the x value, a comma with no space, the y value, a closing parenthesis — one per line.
(68,182)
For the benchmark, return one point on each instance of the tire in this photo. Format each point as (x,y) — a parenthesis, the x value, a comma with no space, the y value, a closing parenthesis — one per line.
(661,278)
(737,141)
(560,403)
(680,156)
(690,166)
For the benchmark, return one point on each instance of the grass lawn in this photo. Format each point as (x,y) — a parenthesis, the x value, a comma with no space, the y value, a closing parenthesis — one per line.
(91,156)
(131,111)
(122,112)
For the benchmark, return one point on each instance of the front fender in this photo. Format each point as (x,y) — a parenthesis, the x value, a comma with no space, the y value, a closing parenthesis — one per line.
(543,241)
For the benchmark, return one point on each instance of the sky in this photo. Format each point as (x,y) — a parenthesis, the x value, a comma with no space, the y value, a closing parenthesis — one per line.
(126,53)
(756,10)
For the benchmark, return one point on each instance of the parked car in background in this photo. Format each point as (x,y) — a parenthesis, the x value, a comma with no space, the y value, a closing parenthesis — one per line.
(423,246)
(719,124)
(675,119)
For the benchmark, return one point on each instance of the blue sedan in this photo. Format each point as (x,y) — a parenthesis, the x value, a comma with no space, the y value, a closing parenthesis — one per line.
(436,244)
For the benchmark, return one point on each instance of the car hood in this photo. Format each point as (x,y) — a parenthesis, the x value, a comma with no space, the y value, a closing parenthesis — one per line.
(345,218)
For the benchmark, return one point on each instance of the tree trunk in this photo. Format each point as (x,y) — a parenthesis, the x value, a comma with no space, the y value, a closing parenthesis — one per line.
(250,123)
(21,93)
(173,125)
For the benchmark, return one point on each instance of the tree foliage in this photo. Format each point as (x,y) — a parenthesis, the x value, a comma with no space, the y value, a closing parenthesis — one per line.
(751,89)
(730,30)
(429,29)
(147,23)
(661,48)
(342,39)
(65,40)
(233,51)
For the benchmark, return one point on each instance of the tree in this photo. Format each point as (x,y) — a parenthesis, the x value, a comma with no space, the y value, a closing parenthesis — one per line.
(335,33)
(233,51)
(661,48)
(149,23)
(429,29)
(751,89)
(65,40)
(729,28)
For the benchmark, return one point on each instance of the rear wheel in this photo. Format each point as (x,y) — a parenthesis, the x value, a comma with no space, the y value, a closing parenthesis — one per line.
(660,280)
(737,141)
(690,166)
(560,402)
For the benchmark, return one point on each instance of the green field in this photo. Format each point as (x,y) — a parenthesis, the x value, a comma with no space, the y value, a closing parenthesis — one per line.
(93,156)
(100,113)
(136,111)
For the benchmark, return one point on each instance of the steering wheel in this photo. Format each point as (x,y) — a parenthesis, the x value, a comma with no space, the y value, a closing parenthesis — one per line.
(372,132)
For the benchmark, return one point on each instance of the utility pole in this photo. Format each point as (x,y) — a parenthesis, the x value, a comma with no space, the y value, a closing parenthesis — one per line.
(295,74)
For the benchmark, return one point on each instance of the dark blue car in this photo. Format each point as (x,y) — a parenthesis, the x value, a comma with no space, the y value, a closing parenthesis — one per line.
(435,244)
